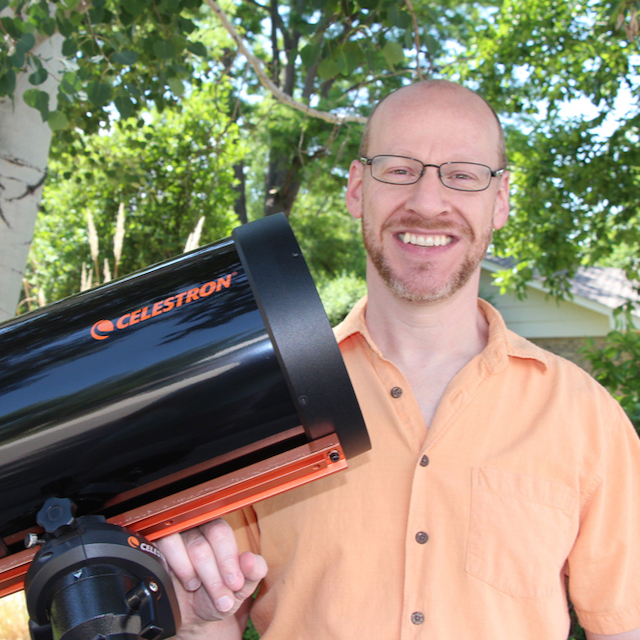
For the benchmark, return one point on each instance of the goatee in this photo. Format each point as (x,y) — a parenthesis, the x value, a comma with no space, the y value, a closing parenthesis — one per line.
(417,290)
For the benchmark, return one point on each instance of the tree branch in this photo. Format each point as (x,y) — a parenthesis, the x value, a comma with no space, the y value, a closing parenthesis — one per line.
(416,37)
(266,81)
(275,72)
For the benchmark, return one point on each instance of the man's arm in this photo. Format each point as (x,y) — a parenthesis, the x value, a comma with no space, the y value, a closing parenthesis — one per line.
(213,582)
(628,635)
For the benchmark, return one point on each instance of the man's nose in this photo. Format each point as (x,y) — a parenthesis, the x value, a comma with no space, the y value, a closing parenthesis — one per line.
(428,196)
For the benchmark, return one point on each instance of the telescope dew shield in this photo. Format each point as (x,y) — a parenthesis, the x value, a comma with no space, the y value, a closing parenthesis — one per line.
(173,395)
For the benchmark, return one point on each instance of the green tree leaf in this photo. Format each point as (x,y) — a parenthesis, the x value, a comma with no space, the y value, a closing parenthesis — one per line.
(39,100)
(98,93)
(393,53)
(57,120)
(176,86)
(18,59)
(26,42)
(69,47)
(310,53)
(39,76)
(7,82)
(11,26)
(134,7)
(198,49)
(124,106)
(328,69)
(164,49)
(125,57)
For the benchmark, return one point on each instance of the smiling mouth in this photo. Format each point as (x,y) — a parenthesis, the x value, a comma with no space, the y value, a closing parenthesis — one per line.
(425,241)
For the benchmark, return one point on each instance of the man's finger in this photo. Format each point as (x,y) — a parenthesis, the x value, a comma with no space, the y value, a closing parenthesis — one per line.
(222,540)
(254,568)
(204,546)
(175,552)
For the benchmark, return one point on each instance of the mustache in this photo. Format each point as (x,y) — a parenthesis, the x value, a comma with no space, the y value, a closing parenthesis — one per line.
(413,222)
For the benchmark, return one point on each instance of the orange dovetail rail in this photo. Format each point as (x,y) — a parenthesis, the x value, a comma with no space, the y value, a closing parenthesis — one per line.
(207,501)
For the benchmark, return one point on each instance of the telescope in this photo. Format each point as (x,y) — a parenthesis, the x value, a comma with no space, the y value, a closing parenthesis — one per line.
(151,405)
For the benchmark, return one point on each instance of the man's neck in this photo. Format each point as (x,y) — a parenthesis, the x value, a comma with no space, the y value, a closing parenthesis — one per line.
(429,342)
(402,329)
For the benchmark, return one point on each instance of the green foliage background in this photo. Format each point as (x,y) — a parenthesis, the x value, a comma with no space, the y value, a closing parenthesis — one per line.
(168,172)
(616,366)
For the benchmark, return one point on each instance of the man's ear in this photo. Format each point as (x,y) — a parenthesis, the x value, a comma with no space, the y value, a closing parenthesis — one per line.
(501,207)
(353,196)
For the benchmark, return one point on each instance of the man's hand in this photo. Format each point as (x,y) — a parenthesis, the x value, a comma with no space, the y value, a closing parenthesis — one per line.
(211,579)
(629,635)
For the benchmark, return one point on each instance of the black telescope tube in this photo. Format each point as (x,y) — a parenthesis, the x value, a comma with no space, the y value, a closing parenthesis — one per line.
(148,376)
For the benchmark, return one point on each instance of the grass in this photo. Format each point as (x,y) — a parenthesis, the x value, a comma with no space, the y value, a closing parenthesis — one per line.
(13,618)
(249,634)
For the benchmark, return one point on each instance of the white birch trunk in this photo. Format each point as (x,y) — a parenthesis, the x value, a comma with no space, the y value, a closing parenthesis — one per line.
(24,149)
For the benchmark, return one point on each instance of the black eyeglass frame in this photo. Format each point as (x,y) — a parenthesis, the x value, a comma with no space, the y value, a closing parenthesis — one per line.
(493,174)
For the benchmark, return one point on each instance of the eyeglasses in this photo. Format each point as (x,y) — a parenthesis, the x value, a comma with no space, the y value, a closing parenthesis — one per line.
(461,176)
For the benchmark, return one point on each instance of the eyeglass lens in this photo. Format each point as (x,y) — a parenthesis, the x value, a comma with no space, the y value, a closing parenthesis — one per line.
(463,176)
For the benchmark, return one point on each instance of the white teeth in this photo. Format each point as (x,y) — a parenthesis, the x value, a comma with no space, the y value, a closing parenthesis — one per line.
(425,241)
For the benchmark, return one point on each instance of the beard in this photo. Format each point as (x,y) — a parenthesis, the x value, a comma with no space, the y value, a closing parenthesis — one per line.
(418,287)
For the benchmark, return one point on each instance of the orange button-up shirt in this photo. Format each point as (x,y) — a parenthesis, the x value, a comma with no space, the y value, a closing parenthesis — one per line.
(528,476)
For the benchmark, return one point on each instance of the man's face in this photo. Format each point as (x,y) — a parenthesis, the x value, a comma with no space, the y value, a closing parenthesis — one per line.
(427,241)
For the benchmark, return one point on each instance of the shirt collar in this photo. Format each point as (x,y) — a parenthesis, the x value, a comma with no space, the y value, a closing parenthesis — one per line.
(502,344)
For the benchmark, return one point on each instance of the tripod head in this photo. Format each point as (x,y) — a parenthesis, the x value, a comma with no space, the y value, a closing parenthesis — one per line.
(91,579)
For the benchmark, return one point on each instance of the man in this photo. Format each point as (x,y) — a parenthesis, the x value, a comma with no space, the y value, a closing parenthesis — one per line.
(498,472)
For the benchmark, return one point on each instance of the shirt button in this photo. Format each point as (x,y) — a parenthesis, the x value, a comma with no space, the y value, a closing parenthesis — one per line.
(396,392)
(424,461)
(421,537)
(417,617)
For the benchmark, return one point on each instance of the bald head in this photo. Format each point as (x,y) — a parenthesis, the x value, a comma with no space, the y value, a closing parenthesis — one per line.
(427,93)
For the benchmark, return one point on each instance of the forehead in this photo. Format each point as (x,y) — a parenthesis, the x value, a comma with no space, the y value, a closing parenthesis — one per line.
(436,124)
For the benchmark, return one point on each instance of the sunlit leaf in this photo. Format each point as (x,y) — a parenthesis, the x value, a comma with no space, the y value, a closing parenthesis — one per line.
(328,69)
(176,86)
(57,120)
(393,53)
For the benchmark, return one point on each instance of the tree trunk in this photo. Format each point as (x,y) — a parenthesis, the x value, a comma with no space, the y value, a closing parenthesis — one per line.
(240,205)
(24,150)
(283,179)
(282,184)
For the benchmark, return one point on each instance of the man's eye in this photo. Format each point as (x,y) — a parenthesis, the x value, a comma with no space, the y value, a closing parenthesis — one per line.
(459,175)
(400,171)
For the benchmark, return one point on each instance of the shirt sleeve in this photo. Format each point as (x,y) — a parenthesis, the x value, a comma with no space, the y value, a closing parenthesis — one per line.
(604,564)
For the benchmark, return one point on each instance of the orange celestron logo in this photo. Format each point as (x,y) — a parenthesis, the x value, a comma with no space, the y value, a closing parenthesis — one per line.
(144,546)
(102,329)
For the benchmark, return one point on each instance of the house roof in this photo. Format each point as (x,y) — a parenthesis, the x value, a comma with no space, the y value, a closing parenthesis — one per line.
(606,286)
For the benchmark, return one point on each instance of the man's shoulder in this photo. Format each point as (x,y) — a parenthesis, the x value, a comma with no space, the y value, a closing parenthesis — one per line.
(554,363)
(527,351)
(567,380)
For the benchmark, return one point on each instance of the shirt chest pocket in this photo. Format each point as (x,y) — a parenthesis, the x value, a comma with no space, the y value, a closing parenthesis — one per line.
(521,531)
